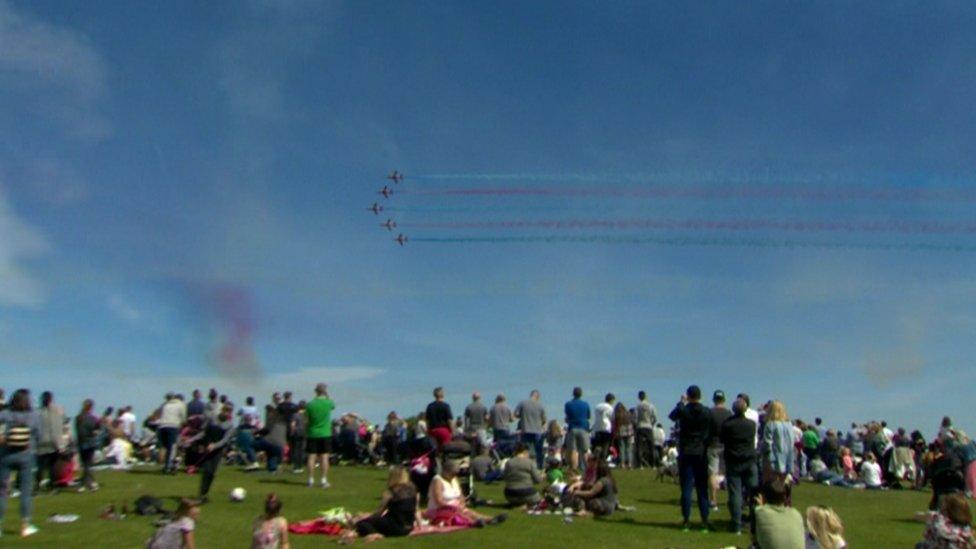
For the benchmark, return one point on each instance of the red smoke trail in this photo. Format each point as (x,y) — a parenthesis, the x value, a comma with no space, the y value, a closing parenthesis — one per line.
(714,193)
(902,227)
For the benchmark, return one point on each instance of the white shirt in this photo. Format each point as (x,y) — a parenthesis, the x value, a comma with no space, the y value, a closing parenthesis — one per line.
(754,416)
(603,417)
(871,473)
(128,421)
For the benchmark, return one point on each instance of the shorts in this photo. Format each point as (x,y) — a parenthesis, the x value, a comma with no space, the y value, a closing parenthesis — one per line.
(440,434)
(318,445)
(577,440)
(715,459)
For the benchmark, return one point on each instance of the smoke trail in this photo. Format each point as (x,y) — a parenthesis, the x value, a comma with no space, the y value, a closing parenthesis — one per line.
(226,314)
(701,242)
(715,193)
(902,227)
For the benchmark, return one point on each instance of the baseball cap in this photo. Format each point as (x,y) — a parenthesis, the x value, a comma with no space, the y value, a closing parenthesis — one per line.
(718,395)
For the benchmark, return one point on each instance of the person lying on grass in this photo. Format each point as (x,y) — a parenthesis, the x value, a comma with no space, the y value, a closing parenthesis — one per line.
(178,533)
(398,513)
(445,502)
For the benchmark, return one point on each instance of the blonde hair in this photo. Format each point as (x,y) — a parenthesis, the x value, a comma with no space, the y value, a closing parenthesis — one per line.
(777,412)
(398,475)
(825,527)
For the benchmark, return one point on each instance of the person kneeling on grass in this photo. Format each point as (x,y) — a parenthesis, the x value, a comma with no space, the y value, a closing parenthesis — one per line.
(399,511)
(445,502)
(521,475)
(601,497)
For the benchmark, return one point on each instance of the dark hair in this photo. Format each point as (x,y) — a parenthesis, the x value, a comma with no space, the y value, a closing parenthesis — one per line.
(272,505)
(20,401)
(946,421)
(87,405)
(577,392)
(519,448)
(693,392)
(818,421)
(46,398)
(249,401)
(641,395)
(186,505)
(609,398)
(287,395)
(776,492)
(438,392)
(745,397)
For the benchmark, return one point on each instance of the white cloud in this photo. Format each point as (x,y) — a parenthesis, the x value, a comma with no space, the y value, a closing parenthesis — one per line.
(54,70)
(18,241)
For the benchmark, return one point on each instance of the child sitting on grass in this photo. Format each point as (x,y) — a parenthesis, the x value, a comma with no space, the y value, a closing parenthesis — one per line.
(950,527)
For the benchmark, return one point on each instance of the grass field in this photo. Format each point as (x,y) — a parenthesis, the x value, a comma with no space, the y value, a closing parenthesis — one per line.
(872,519)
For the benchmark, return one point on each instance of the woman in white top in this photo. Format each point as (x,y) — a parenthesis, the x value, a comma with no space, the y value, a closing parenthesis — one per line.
(445,501)
(871,472)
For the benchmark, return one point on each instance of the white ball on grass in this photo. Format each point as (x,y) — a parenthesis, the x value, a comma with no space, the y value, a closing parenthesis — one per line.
(238,494)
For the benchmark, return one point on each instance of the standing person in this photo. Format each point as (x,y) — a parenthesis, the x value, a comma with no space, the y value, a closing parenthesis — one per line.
(299,428)
(811,446)
(623,434)
(500,419)
(578,416)
(20,432)
(171,419)
(738,435)
(603,425)
(247,424)
(778,448)
(391,438)
(213,407)
(286,411)
(87,431)
(532,424)
(51,441)
(751,414)
(694,431)
(128,423)
(475,421)
(659,438)
(319,444)
(439,419)
(196,407)
(715,450)
(646,418)
(216,434)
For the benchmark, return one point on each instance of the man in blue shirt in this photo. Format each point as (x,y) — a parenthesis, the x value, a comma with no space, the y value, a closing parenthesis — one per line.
(578,429)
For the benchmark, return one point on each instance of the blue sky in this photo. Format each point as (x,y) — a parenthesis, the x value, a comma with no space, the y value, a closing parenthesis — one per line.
(183,193)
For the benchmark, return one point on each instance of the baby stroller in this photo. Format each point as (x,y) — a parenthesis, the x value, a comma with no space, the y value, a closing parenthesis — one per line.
(458,452)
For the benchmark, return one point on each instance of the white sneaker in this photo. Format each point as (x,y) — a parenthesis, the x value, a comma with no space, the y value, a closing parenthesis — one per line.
(311,482)
(28,530)
(325,484)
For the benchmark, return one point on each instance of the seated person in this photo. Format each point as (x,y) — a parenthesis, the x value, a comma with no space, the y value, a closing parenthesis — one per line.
(950,526)
(599,497)
(397,514)
(778,526)
(521,475)
(446,505)
(871,472)
(483,467)
(824,529)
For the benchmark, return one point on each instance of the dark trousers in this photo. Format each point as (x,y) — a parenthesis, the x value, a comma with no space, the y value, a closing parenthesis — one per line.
(297,455)
(167,439)
(271,451)
(742,481)
(208,470)
(87,460)
(391,449)
(645,447)
(534,442)
(45,464)
(693,474)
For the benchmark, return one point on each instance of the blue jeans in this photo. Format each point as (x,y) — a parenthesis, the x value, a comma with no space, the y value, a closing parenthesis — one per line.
(271,450)
(742,481)
(693,473)
(245,443)
(23,463)
(167,439)
(534,442)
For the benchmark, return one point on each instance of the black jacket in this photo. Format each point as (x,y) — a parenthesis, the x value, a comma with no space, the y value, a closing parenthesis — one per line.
(694,428)
(738,435)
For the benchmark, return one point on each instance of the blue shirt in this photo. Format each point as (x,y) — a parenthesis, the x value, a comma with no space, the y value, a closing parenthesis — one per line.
(578,414)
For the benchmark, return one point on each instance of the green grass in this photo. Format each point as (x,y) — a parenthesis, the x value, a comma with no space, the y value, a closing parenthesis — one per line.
(872,519)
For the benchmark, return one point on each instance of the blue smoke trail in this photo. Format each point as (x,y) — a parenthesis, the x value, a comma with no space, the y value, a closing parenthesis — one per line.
(701,242)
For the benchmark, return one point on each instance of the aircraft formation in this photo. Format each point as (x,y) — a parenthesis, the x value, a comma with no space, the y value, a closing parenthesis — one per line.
(396,177)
